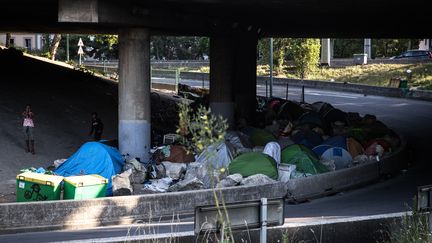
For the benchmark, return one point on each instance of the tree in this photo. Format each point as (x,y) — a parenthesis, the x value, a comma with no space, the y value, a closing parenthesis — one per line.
(103,46)
(280,54)
(345,48)
(392,47)
(54,46)
(182,48)
(305,53)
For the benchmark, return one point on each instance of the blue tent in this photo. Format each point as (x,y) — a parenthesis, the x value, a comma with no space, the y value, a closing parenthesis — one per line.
(308,138)
(93,158)
(320,149)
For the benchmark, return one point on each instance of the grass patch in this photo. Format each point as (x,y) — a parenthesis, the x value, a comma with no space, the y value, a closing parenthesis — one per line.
(371,74)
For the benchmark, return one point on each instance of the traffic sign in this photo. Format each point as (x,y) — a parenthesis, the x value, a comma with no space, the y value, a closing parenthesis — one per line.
(80,43)
(80,51)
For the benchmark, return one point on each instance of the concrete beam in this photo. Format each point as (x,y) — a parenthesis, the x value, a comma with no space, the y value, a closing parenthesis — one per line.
(78,11)
(134,93)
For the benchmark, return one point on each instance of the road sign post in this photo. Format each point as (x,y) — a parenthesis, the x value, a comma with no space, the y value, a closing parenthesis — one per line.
(424,202)
(80,50)
(258,214)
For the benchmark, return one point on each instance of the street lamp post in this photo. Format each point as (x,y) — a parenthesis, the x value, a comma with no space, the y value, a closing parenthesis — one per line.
(271,67)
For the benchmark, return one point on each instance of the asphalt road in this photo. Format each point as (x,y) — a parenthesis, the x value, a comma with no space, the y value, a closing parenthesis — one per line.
(411,118)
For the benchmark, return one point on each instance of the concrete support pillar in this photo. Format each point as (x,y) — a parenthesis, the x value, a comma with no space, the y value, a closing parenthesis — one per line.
(368,48)
(222,78)
(325,51)
(245,77)
(134,93)
(233,76)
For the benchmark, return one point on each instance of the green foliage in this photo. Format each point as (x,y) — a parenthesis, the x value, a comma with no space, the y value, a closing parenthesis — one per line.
(200,130)
(280,52)
(414,228)
(178,48)
(392,47)
(305,53)
(345,48)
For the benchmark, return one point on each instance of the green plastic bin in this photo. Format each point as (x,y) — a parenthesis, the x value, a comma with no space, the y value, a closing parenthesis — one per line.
(37,187)
(84,187)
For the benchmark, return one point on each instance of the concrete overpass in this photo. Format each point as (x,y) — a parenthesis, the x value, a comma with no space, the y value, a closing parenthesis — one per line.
(234,27)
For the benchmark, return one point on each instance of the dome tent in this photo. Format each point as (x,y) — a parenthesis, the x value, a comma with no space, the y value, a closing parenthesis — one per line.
(307,137)
(93,158)
(320,149)
(252,163)
(305,160)
(342,158)
(290,110)
(258,137)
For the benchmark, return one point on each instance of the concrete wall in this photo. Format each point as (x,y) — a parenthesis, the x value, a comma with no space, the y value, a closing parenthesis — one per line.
(70,214)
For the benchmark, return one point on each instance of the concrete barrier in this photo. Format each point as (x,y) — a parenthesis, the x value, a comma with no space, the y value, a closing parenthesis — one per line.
(326,85)
(74,214)
(340,180)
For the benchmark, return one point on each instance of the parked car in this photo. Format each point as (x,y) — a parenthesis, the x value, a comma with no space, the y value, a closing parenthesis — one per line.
(414,54)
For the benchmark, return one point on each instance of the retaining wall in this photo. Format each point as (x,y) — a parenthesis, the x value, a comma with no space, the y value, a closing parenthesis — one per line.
(73,214)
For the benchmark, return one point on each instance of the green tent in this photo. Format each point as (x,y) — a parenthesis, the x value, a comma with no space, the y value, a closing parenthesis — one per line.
(259,137)
(304,158)
(252,163)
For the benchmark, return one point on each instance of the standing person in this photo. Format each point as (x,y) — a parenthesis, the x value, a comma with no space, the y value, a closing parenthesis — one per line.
(28,127)
(96,127)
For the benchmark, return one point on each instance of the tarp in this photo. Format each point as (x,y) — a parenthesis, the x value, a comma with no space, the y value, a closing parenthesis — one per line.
(219,157)
(252,163)
(354,147)
(304,159)
(273,149)
(341,157)
(93,158)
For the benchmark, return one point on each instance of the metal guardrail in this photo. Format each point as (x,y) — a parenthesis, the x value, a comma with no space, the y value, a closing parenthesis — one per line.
(242,215)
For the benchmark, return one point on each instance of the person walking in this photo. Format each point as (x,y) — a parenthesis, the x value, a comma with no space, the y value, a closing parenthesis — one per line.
(96,127)
(28,127)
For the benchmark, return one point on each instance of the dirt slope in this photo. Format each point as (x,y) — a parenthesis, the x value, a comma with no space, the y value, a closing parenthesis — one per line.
(62,100)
